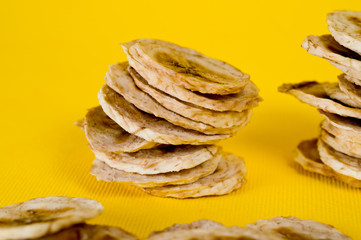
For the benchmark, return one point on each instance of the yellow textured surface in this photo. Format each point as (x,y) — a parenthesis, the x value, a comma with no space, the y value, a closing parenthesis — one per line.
(54,55)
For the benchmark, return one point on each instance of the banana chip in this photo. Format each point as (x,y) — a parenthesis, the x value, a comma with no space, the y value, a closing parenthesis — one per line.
(326,47)
(121,81)
(104,172)
(106,135)
(345,27)
(229,176)
(339,162)
(226,119)
(334,92)
(294,228)
(308,157)
(147,126)
(346,123)
(341,144)
(340,132)
(351,89)
(90,232)
(42,216)
(245,99)
(184,67)
(159,160)
(200,224)
(314,94)
(229,233)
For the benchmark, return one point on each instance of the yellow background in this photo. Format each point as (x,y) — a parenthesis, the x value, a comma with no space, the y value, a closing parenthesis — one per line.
(54,55)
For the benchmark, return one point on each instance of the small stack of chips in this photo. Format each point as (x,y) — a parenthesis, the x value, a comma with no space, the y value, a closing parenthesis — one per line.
(160,115)
(337,151)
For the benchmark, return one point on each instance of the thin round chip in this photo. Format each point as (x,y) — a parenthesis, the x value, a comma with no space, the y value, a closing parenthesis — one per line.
(240,101)
(333,91)
(229,233)
(351,89)
(345,27)
(106,135)
(294,228)
(42,216)
(339,162)
(216,119)
(347,123)
(104,172)
(229,176)
(200,224)
(326,47)
(314,94)
(341,144)
(308,157)
(90,232)
(185,67)
(147,126)
(159,160)
(340,132)
(122,82)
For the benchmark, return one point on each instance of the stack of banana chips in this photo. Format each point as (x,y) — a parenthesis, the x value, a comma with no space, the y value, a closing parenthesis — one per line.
(159,117)
(337,151)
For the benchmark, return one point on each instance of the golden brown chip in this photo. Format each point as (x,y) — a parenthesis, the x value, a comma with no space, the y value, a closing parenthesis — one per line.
(104,172)
(184,67)
(230,175)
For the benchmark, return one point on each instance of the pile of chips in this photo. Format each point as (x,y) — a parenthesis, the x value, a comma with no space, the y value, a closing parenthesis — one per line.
(337,151)
(160,114)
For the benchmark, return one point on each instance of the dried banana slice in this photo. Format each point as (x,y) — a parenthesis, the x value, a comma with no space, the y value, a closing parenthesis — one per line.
(229,176)
(341,144)
(339,162)
(42,216)
(230,233)
(216,119)
(314,94)
(185,67)
(326,47)
(333,91)
(347,123)
(247,98)
(294,228)
(340,132)
(345,27)
(351,89)
(106,135)
(308,157)
(104,172)
(200,224)
(159,160)
(90,232)
(121,81)
(147,126)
